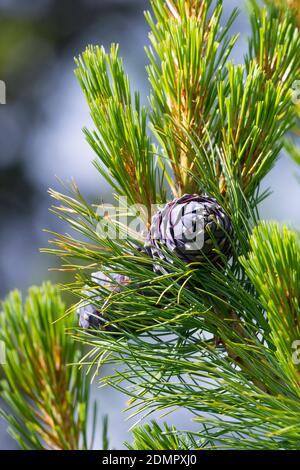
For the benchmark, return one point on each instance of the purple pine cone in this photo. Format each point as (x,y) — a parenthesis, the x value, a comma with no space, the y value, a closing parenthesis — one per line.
(192,226)
(89,315)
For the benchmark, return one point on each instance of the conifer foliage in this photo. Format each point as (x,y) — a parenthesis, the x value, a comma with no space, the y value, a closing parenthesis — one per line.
(46,394)
(218,339)
(215,340)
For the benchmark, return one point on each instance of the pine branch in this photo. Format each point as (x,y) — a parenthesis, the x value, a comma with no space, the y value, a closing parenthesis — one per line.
(243,112)
(283,5)
(127,158)
(273,266)
(202,336)
(153,437)
(274,44)
(184,371)
(255,116)
(188,55)
(275,30)
(46,393)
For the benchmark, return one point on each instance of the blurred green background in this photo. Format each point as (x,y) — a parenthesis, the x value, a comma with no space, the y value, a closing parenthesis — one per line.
(41,138)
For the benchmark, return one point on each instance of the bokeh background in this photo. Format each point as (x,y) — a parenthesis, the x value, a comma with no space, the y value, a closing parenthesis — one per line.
(41,137)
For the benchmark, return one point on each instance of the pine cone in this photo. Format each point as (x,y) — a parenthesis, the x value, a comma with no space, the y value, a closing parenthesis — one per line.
(89,315)
(194,227)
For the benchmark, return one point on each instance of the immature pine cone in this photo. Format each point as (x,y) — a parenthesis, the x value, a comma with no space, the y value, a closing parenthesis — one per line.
(89,314)
(194,227)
